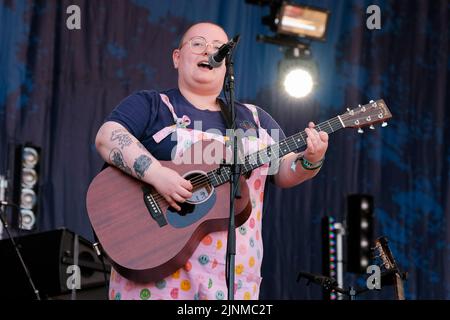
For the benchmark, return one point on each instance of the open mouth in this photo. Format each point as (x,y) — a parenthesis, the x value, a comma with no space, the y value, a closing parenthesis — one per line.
(205,64)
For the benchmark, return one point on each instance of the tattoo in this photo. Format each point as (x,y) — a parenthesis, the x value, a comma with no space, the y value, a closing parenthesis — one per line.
(116,157)
(140,145)
(141,165)
(122,137)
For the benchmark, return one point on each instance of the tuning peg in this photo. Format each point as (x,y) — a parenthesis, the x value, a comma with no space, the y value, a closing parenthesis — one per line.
(348,109)
(360,130)
(372,127)
(371,101)
(384,124)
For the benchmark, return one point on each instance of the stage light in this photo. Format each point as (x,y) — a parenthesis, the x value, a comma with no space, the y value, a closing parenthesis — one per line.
(360,232)
(27,219)
(364,262)
(30,157)
(364,204)
(297,72)
(364,243)
(295,20)
(26,185)
(302,21)
(330,252)
(298,83)
(29,177)
(364,224)
(295,26)
(27,199)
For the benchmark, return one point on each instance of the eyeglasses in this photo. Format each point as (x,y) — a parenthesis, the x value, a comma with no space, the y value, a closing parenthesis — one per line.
(199,45)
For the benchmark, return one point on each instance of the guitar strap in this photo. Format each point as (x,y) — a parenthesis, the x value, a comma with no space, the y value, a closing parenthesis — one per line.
(226,114)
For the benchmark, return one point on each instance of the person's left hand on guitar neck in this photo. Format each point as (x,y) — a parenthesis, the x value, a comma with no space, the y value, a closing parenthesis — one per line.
(317,144)
(298,167)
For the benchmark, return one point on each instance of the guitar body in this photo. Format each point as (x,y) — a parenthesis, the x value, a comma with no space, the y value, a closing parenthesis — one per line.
(144,238)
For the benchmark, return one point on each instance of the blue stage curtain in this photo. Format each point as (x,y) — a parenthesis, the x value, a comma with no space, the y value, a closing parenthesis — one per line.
(57,85)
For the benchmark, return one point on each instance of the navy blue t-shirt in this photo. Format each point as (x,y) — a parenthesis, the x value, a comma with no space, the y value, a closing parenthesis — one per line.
(144,113)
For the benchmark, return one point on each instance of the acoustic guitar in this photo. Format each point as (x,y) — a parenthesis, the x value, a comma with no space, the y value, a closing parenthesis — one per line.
(146,240)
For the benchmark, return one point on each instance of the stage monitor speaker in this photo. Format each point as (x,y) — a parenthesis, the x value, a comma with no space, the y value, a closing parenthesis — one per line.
(48,256)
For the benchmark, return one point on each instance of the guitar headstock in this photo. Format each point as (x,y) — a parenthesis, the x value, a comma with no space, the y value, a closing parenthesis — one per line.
(382,251)
(367,115)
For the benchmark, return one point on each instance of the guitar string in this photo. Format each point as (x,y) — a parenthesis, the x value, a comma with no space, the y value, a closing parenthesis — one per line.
(202,180)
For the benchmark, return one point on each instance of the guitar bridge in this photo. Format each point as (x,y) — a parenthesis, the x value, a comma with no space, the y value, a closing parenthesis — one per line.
(153,207)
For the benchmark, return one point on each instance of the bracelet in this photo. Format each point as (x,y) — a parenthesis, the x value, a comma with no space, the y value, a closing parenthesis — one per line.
(306,164)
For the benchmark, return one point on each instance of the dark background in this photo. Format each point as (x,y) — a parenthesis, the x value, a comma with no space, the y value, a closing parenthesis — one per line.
(57,86)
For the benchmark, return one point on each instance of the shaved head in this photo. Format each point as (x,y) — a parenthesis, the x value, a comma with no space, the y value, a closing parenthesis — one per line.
(194,26)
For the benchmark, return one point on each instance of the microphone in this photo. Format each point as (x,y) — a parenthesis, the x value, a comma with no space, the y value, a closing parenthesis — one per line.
(215,60)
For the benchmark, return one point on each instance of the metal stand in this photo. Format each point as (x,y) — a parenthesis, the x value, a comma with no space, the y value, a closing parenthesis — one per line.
(6,228)
(234,182)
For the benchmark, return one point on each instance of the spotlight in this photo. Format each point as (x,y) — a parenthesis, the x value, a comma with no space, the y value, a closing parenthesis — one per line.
(364,224)
(26,185)
(30,157)
(297,72)
(27,199)
(364,262)
(27,219)
(29,177)
(295,20)
(302,21)
(295,26)
(364,243)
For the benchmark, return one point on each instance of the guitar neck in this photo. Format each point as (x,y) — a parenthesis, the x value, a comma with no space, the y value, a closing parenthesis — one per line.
(274,151)
(398,285)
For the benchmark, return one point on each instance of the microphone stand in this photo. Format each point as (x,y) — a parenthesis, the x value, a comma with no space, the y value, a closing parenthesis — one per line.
(16,247)
(330,284)
(234,182)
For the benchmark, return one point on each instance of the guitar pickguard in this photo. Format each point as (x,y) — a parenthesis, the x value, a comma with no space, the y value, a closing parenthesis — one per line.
(182,220)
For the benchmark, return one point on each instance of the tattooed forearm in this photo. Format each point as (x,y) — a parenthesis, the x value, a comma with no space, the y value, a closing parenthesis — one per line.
(141,165)
(122,136)
(140,145)
(116,158)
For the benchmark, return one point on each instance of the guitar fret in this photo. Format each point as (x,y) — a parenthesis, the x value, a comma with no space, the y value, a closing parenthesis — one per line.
(303,138)
(298,139)
(330,126)
(295,142)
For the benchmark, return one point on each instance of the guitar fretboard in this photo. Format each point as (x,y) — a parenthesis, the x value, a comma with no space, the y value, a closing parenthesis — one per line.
(275,151)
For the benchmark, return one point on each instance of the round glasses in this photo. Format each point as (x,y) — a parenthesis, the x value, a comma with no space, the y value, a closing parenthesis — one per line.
(199,45)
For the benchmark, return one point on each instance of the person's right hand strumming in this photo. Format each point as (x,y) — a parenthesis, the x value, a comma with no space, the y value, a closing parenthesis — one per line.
(120,148)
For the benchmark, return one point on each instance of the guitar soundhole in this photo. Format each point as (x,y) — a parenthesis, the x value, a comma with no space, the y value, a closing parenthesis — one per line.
(202,189)
(186,208)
